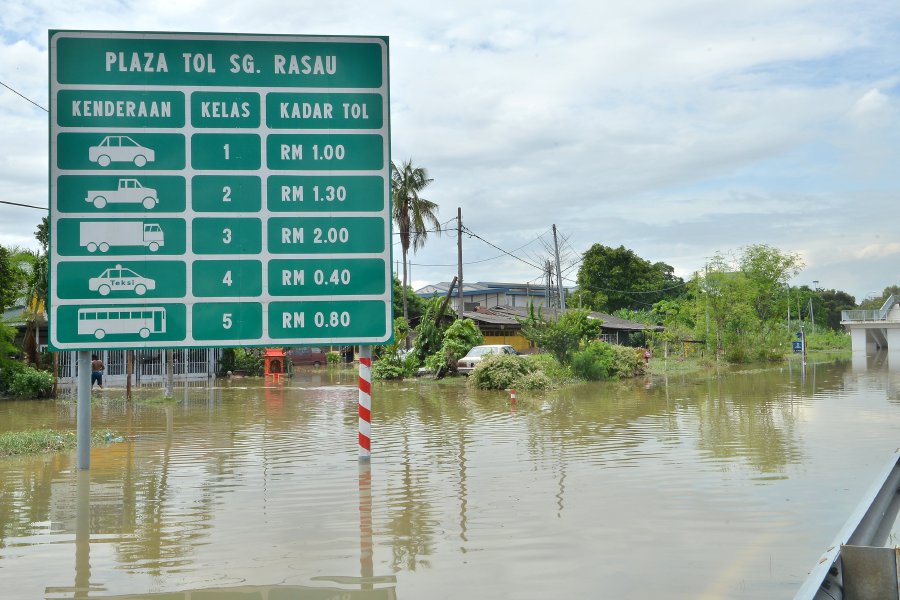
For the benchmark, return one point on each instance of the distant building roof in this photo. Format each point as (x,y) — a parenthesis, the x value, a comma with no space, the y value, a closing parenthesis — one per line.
(482,287)
(509,315)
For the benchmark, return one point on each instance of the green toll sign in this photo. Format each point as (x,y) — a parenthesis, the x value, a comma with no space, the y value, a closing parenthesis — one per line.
(218,190)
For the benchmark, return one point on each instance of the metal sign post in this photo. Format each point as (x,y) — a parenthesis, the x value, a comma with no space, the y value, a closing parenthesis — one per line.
(83,411)
(365,403)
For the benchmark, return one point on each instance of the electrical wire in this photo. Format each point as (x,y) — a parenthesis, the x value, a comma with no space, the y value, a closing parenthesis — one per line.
(471,233)
(25,205)
(23,96)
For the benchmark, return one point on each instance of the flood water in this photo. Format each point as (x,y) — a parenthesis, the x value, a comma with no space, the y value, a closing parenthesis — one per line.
(683,486)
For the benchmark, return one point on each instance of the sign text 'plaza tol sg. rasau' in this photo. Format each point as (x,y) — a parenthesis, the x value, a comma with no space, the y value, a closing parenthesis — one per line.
(218,190)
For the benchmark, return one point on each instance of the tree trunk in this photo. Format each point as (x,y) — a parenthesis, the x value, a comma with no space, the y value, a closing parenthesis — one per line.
(405,309)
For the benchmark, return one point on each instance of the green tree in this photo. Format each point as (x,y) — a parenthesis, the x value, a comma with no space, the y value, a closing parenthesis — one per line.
(413,214)
(833,303)
(12,278)
(461,336)
(415,304)
(768,271)
(613,278)
(565,335)
(429,333)
(742,303)
(877,302)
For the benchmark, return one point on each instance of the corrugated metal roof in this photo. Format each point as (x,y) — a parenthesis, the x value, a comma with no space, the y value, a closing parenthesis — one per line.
(509,315)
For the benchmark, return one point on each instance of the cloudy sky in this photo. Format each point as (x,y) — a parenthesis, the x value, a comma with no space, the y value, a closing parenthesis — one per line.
(677,129)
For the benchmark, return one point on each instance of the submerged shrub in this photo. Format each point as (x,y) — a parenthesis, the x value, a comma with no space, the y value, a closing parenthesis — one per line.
(600,361)
(386,369)
(8,370)
(31,383)
(595,362)
(628,362)
(500,371)
(538,380)
(551,367)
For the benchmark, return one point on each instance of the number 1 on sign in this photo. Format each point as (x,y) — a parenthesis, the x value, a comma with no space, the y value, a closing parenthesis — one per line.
(227,149)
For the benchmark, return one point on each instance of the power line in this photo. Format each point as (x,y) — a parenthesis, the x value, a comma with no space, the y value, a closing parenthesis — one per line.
(492,245)
(25,205)
(475,262)
(23,96)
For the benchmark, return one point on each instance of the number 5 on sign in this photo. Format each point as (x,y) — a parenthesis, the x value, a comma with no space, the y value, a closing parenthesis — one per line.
(226,321)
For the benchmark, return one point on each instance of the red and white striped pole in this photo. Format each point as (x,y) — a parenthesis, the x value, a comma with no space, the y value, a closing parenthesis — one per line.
(365,402)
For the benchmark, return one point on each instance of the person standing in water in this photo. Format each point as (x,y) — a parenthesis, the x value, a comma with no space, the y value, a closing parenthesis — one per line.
(97,368)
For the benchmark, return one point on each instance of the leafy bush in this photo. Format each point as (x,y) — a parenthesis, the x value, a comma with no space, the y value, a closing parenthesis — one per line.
(390,363)
(500,371)
(459,338)
(628,362)
(595,362)
(386,369)
(828,339)
(429,337)
(31,383)
(333,357)
(249,361)
(601,361)
(564,336)
(558,373)
(8,370)
(538,380)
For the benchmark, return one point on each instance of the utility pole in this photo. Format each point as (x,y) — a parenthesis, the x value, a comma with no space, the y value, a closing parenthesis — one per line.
(559,279)
(549,268)
(459,275)
(812,317)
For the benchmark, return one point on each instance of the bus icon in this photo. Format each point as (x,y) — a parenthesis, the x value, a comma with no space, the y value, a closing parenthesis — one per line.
(142,320)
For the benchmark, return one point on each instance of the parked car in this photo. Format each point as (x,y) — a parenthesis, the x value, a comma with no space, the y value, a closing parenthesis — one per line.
(307,355)
(467,363)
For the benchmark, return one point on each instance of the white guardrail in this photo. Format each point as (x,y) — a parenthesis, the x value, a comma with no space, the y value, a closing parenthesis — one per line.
(870,315)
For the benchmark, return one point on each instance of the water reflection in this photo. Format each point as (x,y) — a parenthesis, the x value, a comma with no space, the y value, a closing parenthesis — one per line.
(252,489)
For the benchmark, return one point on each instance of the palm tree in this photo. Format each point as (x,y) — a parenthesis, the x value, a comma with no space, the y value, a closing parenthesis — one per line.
(412,212)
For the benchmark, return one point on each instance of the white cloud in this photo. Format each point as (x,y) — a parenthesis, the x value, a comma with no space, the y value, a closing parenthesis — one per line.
(676,129)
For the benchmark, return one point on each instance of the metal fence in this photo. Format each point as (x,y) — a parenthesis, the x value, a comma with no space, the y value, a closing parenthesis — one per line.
(149,365)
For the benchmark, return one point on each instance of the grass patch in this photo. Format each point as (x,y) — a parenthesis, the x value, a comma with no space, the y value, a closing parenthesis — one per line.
(16,443)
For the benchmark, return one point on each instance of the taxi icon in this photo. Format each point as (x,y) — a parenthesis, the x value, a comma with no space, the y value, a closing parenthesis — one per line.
(120,279)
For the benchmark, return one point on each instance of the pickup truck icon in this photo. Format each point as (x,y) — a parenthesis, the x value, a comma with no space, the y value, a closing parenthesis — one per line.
(130,192)
(120,148)
(120,279)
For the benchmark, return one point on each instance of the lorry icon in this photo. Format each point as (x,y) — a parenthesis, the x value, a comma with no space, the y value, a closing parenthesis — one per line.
(120,148)
(130,192)
(120,279)
(100,235)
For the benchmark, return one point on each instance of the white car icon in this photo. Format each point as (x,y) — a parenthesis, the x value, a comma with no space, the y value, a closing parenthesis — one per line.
(120,148)
(120,279)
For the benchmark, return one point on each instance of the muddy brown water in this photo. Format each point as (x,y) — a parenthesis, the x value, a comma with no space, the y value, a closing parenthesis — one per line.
(681,486)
